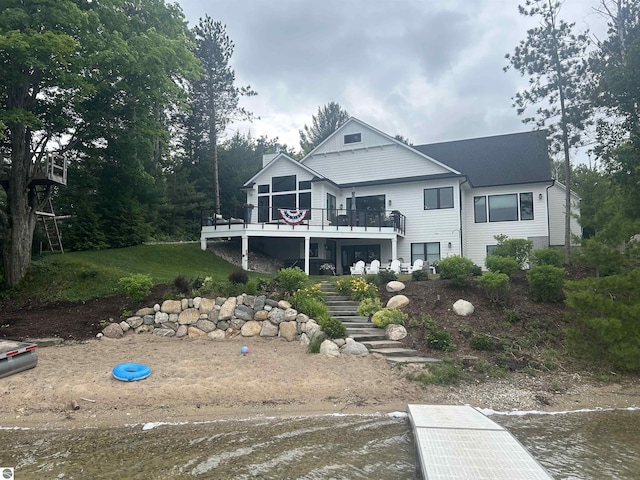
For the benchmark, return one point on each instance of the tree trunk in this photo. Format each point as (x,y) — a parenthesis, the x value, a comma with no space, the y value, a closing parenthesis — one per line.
(22,202)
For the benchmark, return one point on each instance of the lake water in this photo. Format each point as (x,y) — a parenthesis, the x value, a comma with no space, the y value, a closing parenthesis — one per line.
(582,445)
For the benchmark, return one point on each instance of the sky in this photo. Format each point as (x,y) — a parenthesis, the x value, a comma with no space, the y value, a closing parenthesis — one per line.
(430,70)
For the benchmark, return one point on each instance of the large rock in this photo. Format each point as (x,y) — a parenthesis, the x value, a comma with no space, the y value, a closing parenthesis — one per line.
(463,308)
(354,348)
(144,328)
(283,304)
(195,332)
(395,332)
(206,305)
(398,301)
(206,325)
(268,329)
(244,313)
(227,309)
(311,328)
(261,315)
(145,311)
(189,316)
(276,316)
(304,340)
(251,329)
(289,330)
(182,331)
(134,322)
(259,302)
(113,330)
(329,349)
(302,318)
(217,335)
(395,286)
(236,324)
(196,302)
(290,314)
(164,332)
(161,317)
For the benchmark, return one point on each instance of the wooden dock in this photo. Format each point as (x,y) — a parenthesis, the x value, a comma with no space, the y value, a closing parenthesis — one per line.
(459,442)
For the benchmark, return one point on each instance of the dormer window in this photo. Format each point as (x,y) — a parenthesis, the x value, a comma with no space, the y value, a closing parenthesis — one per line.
(352,138)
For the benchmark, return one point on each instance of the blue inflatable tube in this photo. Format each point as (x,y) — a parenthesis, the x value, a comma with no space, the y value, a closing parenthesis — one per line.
(129,372)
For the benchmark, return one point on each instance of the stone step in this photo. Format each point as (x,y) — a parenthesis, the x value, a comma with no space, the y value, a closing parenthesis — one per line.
(351,325)
(341,303)
(363,337)
(369,329)
(336,297)
(353,318)
(382,344)
(398,360)
(396,352)
(342,313)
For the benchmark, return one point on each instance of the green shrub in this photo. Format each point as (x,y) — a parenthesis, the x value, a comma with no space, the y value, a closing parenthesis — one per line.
(356,288)
(545,283)
(518,248)
(333,327)
(457,269)
(446,372)
(511,316)
(388,316)
(307,303)
(182,285)
(369,306)
(137,286)
(251,288)
(607,320)
(546,256)
(506,265)
(316,342)
(483,343)
(438,338)
(420,275)
(291,279)
(239,276)
(495,286)
(383,277)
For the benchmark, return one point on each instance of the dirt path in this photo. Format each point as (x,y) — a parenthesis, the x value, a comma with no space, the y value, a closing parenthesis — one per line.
(198,379)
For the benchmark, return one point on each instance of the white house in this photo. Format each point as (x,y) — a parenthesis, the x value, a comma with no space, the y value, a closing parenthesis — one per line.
(363,195)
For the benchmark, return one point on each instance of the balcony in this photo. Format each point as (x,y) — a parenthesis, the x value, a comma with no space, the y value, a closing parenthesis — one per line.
(329,222)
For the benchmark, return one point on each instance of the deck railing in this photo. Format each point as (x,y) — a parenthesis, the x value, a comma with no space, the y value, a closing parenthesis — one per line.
(322,218)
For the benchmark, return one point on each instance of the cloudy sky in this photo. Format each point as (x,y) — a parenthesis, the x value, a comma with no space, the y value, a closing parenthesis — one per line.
(430,70)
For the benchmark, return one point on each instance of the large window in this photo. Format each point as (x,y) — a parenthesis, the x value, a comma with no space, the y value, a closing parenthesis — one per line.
(283,184)
(429,252)
(263,188)
(263,208)
(332,214)
(504,208)
(287,201)
(435,198)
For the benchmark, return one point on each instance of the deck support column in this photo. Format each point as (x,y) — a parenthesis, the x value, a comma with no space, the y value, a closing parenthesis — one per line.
(394,248)
(245,252)
(307,246)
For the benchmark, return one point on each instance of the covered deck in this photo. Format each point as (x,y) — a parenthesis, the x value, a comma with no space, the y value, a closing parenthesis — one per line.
(331,228)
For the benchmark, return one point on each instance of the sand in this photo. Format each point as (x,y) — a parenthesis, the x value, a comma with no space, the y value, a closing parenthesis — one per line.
(201,379)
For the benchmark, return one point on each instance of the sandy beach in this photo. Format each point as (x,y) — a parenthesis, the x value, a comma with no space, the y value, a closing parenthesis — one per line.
(201,379)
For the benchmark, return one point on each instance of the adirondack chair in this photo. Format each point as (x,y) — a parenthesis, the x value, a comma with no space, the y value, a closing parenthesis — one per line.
(395,266)
(374,268)
(358,268)
(417,265)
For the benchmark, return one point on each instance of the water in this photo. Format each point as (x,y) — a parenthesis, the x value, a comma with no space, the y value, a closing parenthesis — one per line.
(590,445)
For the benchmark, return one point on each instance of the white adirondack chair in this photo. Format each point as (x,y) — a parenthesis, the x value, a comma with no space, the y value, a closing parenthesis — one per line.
(395,266)
(374,268)
(358,268)
(417,265)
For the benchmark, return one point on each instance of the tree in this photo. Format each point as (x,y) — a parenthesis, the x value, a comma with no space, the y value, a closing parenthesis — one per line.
(554,59)
(216,98)
(328,120)
(403,139)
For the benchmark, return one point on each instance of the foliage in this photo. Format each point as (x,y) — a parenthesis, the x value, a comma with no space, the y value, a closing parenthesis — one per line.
(333,327)
(457,269)
(506,265)
(239,275)
(511,316)
(420,275)
(309,301)
(369,306)
(446,372)
(546,282)
(605,260)
(546,256)
(383,277)
(388,316)
(329,118)
(316,342)
(291,279)
(495,285)
(483,343)
(182,285)
(356,288)
(518,248)
(553,57)
(606,326)
(137,286)
(438,338)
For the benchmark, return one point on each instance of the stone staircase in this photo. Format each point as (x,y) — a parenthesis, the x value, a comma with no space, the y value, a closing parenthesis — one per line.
(363,331)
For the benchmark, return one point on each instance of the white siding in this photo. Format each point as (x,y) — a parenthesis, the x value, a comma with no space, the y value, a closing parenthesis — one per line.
(556,215)
(479,235)
(370,138)
(376,163)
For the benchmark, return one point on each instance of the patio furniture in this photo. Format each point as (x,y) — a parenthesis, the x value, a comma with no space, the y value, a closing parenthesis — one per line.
(374,268)
(358,268)
(395,266)
(417,265)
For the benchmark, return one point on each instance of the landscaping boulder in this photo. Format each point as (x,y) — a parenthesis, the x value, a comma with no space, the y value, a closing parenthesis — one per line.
(463,308)
(289,330)
(171,306)
(227,309)
(354,348)
(329,349)
(251,329)
(189,316)
(395,286)
(398,301)
(395,332)
(113,330)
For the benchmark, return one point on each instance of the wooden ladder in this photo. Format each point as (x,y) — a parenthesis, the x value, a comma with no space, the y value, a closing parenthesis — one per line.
(48,218)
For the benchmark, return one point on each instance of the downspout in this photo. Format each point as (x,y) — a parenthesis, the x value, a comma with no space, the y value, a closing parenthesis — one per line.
(466,179)
(553,182)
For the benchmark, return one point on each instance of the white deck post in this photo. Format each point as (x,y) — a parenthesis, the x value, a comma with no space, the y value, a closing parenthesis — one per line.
(394,248)
(245,252)
(203,243)
(307,245)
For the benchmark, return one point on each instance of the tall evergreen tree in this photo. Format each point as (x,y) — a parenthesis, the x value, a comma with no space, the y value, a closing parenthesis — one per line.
(216,98)
(329,118)
(554,59)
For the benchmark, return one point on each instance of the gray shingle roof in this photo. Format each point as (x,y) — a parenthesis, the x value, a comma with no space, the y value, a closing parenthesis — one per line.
(499,160)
